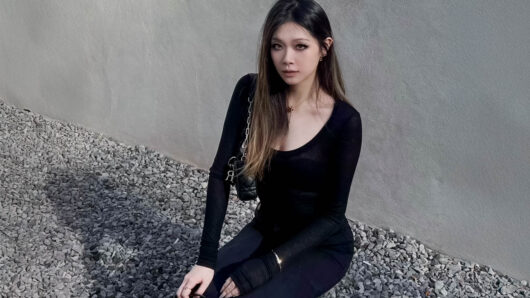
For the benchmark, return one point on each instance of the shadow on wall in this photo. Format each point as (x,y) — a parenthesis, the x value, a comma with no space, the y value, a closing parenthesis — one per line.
(128,246)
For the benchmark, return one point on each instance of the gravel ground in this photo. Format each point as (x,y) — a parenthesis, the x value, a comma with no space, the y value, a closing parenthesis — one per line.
(83,215)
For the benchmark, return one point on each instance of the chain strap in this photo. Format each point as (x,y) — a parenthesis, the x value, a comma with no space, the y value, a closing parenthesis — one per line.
(231,171)
(247,129)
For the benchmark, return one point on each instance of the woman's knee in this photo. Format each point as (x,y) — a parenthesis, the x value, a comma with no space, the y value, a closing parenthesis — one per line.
(302,276)
(242,247)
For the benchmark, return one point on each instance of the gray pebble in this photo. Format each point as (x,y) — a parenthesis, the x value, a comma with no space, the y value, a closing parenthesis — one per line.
(84,215)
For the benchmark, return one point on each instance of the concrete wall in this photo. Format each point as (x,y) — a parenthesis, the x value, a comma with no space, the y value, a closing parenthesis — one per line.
(442,86)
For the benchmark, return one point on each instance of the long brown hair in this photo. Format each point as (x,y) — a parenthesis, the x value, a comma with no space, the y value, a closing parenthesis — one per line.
(269,112)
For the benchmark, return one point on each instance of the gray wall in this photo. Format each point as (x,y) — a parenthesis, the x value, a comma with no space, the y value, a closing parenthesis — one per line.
(442,86)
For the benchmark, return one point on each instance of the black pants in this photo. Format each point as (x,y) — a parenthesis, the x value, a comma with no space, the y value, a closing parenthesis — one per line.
(309,274)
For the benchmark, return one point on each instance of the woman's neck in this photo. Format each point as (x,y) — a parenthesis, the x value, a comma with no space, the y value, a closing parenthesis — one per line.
(304,91)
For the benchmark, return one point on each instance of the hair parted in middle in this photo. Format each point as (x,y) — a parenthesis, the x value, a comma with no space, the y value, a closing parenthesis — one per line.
(269,112)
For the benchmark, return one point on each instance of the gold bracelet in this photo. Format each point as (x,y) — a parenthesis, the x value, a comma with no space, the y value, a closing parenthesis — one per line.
(278,260)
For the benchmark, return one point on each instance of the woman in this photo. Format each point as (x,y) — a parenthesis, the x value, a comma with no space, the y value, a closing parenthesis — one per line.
(303,147)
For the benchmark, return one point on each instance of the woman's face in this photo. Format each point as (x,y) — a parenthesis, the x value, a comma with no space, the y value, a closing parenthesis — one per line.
(293,48)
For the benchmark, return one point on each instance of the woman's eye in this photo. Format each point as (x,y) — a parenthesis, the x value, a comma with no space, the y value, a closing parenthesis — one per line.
(299,46)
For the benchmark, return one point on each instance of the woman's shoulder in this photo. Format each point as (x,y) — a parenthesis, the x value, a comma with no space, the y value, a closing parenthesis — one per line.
(348,121)
(246,80)
(244,85)
(243,82)
(347,112)
(241,91)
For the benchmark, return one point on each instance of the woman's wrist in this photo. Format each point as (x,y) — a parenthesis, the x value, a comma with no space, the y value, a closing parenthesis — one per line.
(272,266)
(205,263)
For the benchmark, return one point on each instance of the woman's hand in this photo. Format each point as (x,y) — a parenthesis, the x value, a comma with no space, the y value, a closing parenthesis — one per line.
(254,272)
(197,275)
(229,289)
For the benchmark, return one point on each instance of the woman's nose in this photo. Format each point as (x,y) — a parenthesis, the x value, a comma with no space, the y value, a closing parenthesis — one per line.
(288,56)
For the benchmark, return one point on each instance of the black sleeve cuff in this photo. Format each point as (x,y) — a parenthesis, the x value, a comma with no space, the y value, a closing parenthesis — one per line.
(241,282)
(269,259)
(206,263)
(250,275)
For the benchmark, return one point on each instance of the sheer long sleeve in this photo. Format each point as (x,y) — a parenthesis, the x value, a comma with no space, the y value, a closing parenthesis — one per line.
(218,189)
(257,271)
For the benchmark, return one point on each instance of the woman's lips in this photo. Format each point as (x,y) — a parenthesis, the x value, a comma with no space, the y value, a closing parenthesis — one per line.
(289,73)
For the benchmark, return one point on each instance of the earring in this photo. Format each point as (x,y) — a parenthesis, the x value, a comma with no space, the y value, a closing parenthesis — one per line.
(320,58)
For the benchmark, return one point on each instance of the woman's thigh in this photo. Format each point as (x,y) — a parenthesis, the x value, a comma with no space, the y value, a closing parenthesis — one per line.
(245,245)
(310,274)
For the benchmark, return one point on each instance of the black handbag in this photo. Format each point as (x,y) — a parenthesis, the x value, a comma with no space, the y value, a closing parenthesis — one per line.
(245,186)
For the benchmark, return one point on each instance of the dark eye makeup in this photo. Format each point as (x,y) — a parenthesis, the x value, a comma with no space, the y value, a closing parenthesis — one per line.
(303,46)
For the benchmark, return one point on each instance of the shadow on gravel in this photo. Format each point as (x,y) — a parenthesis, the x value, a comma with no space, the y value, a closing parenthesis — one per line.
(127,245)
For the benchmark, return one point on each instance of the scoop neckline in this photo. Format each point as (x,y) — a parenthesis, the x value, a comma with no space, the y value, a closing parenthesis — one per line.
(317,136)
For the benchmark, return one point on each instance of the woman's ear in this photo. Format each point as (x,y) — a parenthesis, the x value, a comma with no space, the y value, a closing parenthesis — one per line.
(327,42)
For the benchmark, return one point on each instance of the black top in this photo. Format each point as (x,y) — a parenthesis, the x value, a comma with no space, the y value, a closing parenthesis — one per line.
(304,194)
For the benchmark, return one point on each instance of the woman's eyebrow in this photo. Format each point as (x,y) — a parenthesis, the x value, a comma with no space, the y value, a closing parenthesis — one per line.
(277,39)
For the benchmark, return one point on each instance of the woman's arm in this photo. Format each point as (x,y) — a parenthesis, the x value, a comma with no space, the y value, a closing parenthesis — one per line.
(257,271)
(218,189)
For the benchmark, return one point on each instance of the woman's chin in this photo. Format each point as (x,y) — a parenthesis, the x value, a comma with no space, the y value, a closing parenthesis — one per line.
(290,80)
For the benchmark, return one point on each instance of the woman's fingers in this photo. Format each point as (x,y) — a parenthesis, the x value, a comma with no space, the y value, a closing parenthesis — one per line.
(179,291)
(223,288)
(231,286)
(229,289)
(184,292)
(235,291)
(185,288)
(202,288)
